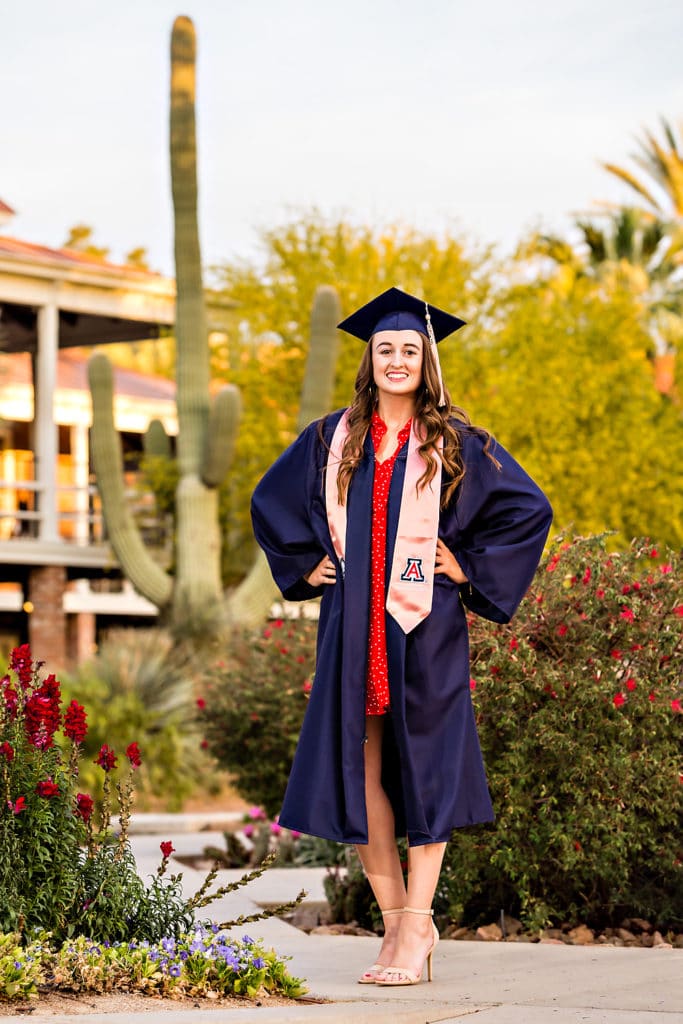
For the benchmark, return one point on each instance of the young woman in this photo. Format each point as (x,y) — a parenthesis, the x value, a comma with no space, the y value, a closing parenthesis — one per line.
(400,514)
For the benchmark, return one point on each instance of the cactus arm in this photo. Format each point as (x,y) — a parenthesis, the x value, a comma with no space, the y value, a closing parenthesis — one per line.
(318,384)
(147,577)
(250,602)
(224,417)
(156,442)
(192,351)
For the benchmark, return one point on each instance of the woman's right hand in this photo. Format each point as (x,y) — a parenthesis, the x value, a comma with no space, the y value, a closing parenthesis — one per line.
(324,572)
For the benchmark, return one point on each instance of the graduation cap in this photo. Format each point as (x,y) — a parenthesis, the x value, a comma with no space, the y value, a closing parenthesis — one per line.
(396,310)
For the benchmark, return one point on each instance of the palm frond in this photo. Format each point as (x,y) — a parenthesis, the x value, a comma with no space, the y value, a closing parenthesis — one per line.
(630,179)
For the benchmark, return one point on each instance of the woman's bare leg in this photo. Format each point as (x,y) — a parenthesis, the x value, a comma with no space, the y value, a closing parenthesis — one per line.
(380,857)
(416,934)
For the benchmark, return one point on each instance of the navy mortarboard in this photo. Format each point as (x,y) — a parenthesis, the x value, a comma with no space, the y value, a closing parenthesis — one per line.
(396,310)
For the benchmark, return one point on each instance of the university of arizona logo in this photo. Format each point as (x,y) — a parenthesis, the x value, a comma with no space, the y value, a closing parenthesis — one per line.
(413,571)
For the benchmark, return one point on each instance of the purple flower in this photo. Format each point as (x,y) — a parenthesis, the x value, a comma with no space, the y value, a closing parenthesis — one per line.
(259,962)
(247,940)
(174,970)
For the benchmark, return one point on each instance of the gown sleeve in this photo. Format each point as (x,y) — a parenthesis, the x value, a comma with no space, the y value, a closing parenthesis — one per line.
(281,516)
(503,521)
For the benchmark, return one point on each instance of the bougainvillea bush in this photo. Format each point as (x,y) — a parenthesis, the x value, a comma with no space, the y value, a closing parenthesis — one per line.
(253,707)
(578,705)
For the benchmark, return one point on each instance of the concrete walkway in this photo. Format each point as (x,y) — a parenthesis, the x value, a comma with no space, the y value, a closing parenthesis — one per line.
(500,983)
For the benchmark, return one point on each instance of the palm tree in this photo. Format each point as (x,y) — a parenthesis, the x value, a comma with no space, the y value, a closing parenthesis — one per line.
(662,189)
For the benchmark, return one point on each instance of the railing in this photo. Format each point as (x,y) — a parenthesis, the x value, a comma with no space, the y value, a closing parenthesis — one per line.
(79,515)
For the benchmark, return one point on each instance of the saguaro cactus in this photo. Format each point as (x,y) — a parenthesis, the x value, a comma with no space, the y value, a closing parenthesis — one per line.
(251,600)
(206,431)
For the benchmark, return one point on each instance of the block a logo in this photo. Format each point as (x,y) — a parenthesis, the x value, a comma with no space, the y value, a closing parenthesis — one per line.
(413,571)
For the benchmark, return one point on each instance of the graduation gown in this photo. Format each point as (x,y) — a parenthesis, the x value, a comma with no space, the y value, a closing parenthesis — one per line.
(432,770)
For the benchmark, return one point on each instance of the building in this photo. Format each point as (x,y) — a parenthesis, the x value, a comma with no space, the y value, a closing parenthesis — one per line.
(58,576)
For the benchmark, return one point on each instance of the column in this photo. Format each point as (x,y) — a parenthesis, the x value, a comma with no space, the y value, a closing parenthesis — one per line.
(45,429)
(81,480)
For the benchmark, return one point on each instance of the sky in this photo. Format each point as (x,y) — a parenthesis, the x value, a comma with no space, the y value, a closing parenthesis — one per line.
(487,118)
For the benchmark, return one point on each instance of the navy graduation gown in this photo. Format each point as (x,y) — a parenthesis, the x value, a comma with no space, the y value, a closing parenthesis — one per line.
(496,526)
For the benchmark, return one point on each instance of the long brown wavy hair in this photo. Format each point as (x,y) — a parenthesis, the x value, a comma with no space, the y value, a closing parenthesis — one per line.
(433,422)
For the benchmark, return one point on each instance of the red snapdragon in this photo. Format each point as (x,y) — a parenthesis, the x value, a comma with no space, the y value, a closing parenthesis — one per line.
(106,758)
(75,722)
(133,755)
(47,788)
(84,806)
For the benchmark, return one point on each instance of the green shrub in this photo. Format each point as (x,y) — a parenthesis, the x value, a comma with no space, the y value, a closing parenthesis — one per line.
(578,710)
(141,683)
(253,707)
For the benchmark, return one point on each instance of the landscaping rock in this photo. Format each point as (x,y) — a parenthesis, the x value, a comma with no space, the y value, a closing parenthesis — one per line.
(582,935)
(626,935)
(641,924)
(489,933)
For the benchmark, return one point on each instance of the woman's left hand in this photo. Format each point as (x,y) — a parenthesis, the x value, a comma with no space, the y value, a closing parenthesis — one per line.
(447,564)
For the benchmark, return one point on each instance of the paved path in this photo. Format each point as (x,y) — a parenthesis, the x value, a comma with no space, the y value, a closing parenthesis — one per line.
(495,983)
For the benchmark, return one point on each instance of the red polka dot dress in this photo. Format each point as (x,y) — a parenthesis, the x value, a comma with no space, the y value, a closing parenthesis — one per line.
(377,693)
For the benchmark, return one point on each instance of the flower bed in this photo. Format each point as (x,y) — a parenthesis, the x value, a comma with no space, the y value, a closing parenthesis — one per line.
(73,911)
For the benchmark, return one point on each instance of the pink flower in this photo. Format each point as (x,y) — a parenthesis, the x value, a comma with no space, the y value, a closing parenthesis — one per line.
(295,834)
(618,700)
(275,828)
(626,614)
(267,633)
(167,848)
(587,575)
(278,624)
(257,813)
(666,569)
(248,831)
(552,564)
(307,686)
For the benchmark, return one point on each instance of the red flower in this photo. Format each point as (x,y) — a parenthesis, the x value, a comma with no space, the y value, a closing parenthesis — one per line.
(616,653)
(587,575)
(618,700)
(630,683)
(84,806)
(267,633)
(654,553)
(201,703)
(678,610)
(167,848)
(626,589)
(42,714)
(255,717)
(18,806)
(307,686)
(626,614)
(514,643)
(652,696)
(577,844)
(204,744)
(300,659)
(552,564)
(666,569)
(7,750)
(106,758)
(637,647)
(278,624)
(562,629)
(676,706)
(495,670)
(600,593)
(75,725)
(133,755)
(284,650)
(21,663)
(636,586)
(47,788)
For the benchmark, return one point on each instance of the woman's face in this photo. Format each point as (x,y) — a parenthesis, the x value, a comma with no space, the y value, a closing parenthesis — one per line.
(397,362)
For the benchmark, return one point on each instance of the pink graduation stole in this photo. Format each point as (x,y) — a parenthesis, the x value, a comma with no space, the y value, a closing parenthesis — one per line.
(411,583)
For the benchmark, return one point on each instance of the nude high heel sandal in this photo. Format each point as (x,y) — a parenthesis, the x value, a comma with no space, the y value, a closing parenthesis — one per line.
(403,975)
(368,977)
